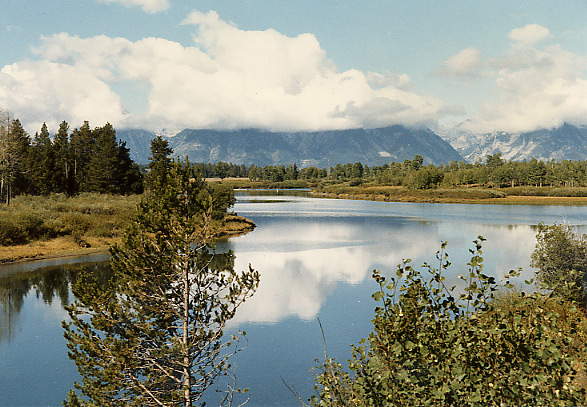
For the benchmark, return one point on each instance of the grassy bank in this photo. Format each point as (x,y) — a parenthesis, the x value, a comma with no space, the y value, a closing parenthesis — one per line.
(245,183)
(520,195)
(55,226)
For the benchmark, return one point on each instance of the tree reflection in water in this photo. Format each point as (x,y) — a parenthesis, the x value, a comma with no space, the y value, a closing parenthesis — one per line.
(48,284)
(54,283)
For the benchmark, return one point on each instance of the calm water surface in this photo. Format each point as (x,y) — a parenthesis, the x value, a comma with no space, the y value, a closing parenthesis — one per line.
(315,257)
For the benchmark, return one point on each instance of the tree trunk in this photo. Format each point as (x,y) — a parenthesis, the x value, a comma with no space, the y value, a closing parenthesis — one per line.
(185,339)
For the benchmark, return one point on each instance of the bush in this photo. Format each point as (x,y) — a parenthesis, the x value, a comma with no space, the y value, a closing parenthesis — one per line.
(20,228)
(561,259)
(434,346)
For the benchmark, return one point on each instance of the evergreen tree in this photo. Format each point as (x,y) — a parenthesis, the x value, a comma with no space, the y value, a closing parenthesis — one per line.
(23,177)
(130,179)
(159,164)
(103,171)
(44,161)
(13,144)
(62,175)
(81,148)
(153,336)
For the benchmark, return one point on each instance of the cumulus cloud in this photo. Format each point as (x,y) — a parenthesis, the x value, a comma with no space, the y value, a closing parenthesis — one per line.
(149,6)
(543,89)
(229,78)
(536,87)
(49,92)
(466,64)
(529,35)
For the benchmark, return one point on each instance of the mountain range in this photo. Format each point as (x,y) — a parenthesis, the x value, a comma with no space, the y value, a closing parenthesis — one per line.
(320,149)
(566,142)
(368,146)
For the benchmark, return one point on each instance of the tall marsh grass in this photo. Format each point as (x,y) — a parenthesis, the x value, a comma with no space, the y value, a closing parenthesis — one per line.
(30,218)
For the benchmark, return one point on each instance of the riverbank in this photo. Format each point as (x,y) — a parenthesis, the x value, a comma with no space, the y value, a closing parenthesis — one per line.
(506,196)
(55,226)
(67,246)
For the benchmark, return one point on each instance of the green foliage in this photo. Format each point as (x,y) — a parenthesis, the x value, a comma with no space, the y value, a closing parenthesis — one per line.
(424,177)
(434,345)
(153,335)
(159,164)
(84,161)
(21,228)
(222,199)
(38,217)
(561,259)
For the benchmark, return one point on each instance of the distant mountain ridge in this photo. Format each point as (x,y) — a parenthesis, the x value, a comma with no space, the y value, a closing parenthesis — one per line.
(320,149)
(566,142)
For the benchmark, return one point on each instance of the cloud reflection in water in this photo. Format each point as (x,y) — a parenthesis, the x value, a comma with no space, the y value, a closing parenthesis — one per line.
(302,260)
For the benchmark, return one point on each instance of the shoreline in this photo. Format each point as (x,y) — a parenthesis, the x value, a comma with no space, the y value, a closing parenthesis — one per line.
(64,247)
(506,200)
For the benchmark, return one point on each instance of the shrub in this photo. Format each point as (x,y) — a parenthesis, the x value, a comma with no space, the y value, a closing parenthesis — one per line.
(432,345)
(561,259)
(19,228)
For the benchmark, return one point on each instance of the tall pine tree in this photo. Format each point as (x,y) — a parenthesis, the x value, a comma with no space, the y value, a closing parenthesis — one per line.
(81,147)
(154,335)
(44,161)
(159,164)
(103,171)
(13,144)
(63,174)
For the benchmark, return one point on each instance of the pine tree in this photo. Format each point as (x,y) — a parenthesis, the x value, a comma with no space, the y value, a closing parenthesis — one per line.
(130,178)
(13,144)
(153,336)
(102,175)
(159,164)
(44,161)
(22,180)
(62,175)
(81,146)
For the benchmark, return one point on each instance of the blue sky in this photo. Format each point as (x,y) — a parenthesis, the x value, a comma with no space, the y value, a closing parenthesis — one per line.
(295,65)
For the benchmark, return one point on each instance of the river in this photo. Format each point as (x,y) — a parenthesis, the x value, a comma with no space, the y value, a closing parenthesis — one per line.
(315,257)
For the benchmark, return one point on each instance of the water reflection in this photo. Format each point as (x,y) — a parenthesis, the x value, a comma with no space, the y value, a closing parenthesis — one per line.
(315,257)
(48,284)
(302,260)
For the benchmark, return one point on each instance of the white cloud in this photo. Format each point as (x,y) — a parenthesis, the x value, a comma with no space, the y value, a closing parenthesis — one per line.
(536,87)
(49,92)
(230,78)
(540,89)
(149,6)
(466,64)
(529,35)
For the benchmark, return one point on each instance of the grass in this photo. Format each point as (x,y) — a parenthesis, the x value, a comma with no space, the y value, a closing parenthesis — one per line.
(517,195)
(395,193)
(34,227)
(31,218)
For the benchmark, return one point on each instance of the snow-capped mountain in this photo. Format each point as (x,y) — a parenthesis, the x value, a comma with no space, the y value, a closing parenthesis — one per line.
(567,142)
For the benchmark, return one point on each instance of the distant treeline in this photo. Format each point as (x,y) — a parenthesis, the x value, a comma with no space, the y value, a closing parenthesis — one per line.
(495,171)
(83,160)
(92,160)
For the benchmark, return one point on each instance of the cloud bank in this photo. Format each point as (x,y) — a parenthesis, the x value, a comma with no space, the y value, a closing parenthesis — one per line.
(148,6)
(229,78)
(536,86)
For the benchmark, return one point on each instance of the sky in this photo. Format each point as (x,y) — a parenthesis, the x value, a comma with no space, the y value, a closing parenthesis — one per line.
(166,65)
